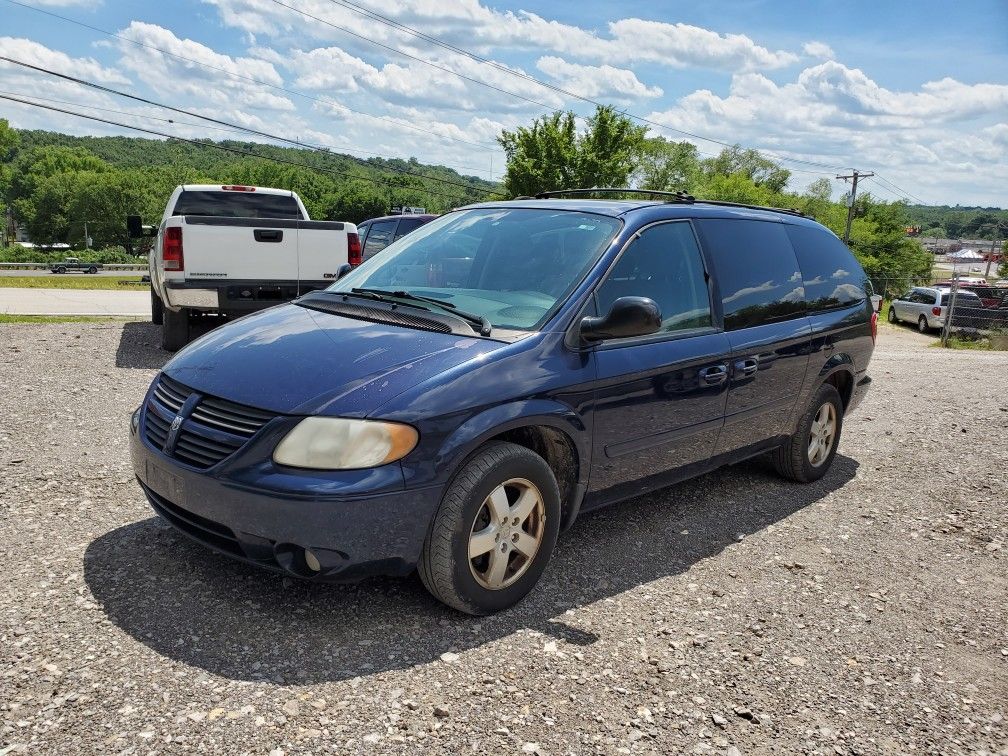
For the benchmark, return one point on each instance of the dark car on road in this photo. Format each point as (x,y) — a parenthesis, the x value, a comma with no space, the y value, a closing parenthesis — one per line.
(378,233)
(72,264)
(454,403)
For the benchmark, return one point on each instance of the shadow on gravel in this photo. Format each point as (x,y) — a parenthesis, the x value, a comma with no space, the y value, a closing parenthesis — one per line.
(140,347)
(205,610)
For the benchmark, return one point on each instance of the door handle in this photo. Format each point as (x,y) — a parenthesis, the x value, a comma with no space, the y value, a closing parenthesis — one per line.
(746,368)
(713,375)
(268,235)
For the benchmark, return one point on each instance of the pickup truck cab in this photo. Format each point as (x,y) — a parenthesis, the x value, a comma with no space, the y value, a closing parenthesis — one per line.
(74,264)
(230,250)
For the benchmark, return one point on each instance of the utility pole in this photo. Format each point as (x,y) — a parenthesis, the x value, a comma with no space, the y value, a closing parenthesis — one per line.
(855,175)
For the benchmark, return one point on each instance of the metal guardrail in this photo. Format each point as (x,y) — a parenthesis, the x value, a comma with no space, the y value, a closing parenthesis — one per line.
(48,266)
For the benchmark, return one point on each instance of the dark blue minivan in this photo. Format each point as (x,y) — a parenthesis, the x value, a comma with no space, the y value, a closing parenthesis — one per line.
(452,404)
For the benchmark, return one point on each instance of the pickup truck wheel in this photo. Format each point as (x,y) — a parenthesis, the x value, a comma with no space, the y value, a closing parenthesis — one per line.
(61,269)
(174,330)
(494,532)
(808,454)
(92,269)
(156,309)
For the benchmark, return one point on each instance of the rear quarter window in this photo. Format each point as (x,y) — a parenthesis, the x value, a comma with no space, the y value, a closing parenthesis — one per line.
(832,276)
(757,272)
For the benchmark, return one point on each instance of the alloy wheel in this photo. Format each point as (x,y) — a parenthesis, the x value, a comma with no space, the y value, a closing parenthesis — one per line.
(822,434)
(506,534)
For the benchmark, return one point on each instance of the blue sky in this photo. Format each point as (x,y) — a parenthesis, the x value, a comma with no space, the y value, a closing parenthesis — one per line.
(917,92)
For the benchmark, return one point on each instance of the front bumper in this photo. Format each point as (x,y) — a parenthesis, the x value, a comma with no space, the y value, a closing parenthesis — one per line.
(352,536)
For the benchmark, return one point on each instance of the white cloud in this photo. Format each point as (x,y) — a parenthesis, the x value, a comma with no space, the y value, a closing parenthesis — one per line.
(29,51)
(816,49)
(192,70)
(605,82)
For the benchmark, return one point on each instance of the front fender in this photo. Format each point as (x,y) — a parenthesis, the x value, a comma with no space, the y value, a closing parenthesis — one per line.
(494,421)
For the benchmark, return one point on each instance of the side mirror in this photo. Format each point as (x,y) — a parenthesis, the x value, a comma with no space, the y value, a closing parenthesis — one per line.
(134,227)
(342,270)
(628,316)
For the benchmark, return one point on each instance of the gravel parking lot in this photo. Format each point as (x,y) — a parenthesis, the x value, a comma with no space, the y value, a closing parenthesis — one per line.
(733,614)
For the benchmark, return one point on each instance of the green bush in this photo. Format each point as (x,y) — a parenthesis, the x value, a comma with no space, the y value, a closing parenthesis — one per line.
(106,256)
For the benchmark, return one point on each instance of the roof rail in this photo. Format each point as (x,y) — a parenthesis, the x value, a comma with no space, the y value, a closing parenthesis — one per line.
(723,203)
(680,197)
(675,197)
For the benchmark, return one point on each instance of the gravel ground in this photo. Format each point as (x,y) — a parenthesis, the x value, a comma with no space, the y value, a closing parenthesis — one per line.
(865,613)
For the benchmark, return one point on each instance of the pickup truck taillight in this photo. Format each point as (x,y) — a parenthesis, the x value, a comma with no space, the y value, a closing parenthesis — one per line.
(171,249)
(354,256)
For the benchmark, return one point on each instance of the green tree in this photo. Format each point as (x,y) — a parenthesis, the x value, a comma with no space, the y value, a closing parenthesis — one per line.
(761,170)
(1003,267)
(551,154)
(665,165)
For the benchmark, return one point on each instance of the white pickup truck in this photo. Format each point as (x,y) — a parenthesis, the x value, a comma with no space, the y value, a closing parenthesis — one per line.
(229,250)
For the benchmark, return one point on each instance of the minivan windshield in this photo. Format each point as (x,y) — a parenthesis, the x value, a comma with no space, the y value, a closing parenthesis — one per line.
(511,266)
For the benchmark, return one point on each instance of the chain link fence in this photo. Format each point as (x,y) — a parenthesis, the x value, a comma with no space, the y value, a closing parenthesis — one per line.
(962,313)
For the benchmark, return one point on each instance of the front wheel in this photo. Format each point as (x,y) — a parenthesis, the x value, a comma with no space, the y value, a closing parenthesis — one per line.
(922,324)
(494,532)
(808,454)
(156,308)
(892,315)
(61,269)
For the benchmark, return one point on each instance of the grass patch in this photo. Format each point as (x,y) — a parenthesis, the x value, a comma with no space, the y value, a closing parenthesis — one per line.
(5,319)
(73,281)
(980,344)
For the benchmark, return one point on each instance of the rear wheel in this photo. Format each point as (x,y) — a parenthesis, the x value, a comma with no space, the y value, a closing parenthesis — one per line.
(156,308)
(922,324)
(808,454)
(175,330)
(494,532)
(92,269)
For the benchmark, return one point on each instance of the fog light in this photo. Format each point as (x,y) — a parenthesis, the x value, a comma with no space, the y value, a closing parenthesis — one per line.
(312,561)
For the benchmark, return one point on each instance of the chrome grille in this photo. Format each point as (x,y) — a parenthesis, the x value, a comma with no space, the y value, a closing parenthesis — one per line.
(214,430)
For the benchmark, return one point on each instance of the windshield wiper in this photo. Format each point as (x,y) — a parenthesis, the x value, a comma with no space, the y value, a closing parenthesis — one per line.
(469,317)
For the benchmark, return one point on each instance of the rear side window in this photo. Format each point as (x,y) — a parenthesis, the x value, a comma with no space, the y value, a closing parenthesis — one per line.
(757,271)
(237,205)
(663,264)
(832,276)
(408,224)
(379,237)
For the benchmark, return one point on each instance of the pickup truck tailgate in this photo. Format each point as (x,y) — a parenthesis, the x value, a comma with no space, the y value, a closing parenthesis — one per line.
(236,249)
(322,248)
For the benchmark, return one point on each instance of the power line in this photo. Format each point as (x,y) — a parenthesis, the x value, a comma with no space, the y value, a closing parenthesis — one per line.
(322,100)
(374,15)
(900,190)
(214,145)
(302,145)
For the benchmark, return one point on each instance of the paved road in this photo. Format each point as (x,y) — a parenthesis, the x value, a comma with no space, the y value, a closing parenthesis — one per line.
(110,273)
(15,301)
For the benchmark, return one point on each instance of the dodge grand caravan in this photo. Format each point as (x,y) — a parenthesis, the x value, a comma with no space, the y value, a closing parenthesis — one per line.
(454,403)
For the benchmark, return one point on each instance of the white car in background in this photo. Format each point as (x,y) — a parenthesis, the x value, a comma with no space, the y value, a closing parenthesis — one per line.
(230,250)
(927,306)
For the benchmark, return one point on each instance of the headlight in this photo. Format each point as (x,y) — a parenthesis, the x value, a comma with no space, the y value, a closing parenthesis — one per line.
(337,443)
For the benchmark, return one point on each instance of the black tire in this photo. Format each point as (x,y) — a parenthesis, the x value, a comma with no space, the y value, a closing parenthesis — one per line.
(444,563)
(892,315)
(92,269)
(922,324)
(61,269)
(175,330)
(156,309)
(792,458)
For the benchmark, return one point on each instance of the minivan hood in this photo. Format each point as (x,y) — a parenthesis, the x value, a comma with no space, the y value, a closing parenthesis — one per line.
(293,360)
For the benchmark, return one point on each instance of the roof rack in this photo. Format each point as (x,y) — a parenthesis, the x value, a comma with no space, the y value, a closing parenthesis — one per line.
(680,197)
(673,197)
